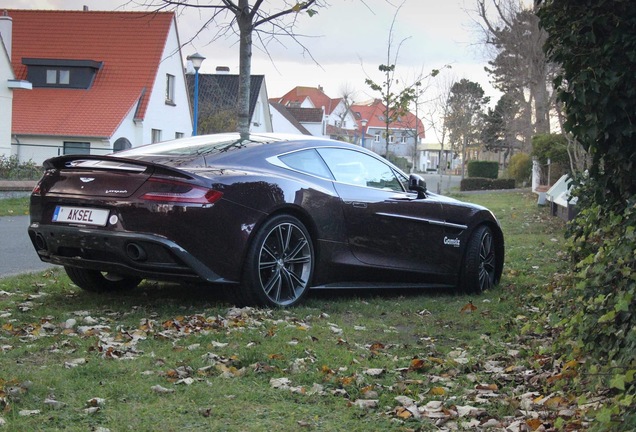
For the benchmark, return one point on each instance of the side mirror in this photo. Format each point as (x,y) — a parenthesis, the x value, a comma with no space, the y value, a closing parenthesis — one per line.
(417,184)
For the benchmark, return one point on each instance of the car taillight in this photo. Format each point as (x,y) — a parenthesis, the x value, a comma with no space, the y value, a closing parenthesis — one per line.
(175,191)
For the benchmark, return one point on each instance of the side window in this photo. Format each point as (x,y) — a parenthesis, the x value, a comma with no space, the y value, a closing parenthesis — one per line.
(356,168)
(307,161)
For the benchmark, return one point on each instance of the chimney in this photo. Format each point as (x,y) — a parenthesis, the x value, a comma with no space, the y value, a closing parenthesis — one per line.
(6,30)
(222,70)
(85,8)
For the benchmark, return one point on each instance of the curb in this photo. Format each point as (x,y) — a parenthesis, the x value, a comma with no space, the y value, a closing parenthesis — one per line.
(17,185)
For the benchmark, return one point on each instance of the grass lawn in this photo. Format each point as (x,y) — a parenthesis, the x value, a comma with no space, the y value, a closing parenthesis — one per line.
(171,358)
(14,206)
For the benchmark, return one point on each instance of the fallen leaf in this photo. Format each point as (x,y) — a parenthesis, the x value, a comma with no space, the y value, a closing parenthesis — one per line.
(161,390)
(366,403)
(468,308)
(437,391)
(534,423)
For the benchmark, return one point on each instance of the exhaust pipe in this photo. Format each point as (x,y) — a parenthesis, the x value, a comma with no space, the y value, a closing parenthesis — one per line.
(136,252)
(40,242)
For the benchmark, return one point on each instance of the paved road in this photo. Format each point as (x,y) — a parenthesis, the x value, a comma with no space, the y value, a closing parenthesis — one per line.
(17,255)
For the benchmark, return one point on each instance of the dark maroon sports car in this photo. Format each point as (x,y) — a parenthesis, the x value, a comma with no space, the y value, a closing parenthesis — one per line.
(271,216)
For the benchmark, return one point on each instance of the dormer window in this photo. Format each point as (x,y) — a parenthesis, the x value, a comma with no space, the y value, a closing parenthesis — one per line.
(60,73)
(58,76)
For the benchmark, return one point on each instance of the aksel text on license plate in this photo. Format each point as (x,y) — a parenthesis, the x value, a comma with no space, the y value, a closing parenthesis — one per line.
(80,215)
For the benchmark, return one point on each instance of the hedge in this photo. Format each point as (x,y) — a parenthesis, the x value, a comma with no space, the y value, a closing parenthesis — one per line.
(481,183)
(483,169)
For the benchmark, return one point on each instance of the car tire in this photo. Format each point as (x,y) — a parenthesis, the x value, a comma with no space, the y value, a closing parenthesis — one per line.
(96,281)
(279,264)
(479,268)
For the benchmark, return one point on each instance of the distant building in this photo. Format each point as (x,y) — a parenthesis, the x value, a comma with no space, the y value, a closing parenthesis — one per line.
(218,103)
(318,113)
(102,82)
(405,134)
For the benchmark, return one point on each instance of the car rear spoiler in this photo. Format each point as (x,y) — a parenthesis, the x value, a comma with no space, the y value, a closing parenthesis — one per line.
(107,162)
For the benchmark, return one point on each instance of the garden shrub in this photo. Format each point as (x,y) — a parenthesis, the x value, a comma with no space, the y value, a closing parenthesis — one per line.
(480,183)
(520,168)
(400,162)
(12,169)
(596,311)
(485,169)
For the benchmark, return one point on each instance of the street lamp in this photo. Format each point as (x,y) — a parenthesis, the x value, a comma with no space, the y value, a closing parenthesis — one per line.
(364,129)
(197,60)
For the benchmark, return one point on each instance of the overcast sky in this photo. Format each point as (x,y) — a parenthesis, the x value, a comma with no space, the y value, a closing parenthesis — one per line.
(348,40)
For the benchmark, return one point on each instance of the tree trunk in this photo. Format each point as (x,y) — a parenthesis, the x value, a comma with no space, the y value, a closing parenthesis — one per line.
(245,69)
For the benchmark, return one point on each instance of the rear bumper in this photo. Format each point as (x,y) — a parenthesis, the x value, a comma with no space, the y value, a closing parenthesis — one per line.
(143,255)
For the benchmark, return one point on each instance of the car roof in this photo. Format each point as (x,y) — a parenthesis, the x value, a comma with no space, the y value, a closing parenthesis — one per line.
(216,140)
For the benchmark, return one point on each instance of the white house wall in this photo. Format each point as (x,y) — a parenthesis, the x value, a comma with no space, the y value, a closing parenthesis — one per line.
(262,117)
(167,118)
(39,148)
(280,124)
(349,119)
(133,132)
(315,129)
(6,101)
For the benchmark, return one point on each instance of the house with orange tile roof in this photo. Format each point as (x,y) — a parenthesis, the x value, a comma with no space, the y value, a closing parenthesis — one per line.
(337,120)
(102,82)
(405,134)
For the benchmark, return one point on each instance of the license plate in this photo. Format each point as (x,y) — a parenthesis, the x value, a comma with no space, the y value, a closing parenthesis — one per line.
(81,215)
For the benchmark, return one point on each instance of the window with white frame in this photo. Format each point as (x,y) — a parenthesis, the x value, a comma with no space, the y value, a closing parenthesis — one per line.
(391,139)
(376,138)
(178,135)
(403,139)
(170,89)
(156,135)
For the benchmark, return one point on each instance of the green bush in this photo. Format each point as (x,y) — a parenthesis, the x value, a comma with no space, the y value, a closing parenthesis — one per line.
(12,169)
(400,162)
(596,311)
(552,147)
(520,168)
(483,169)
(480,183)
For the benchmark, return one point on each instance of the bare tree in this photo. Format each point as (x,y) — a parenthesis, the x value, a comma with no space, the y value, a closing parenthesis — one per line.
(347,96)
(439,111)
(245,18)
(519,65)
(396,102)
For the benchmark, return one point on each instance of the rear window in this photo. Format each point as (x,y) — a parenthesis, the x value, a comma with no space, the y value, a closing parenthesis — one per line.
(196,146)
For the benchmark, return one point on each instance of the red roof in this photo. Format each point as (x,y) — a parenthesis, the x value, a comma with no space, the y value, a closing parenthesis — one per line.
(317,96)
(373,113)
(130,45)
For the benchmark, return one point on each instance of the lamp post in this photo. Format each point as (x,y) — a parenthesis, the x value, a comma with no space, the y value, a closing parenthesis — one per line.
(197,60)
(364,129)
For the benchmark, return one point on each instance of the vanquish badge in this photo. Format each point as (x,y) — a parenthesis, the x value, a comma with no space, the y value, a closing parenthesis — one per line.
(455,242)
